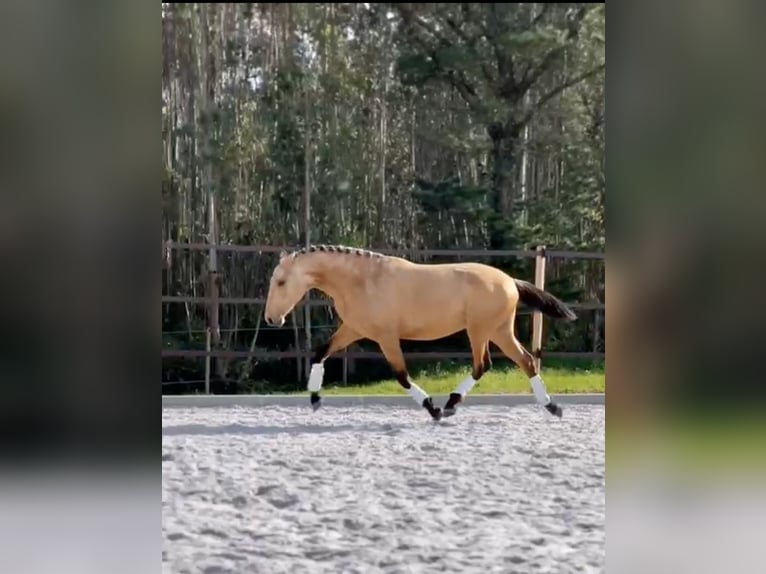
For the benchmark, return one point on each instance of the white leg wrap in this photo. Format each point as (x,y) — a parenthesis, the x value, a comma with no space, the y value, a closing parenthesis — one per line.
(538,387)
(316,377)
(418,394)
(465,387)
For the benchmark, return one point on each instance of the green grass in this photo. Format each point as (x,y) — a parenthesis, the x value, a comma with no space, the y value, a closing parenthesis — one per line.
(496,381)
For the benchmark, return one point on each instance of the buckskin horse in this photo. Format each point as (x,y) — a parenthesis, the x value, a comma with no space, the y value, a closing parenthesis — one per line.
(385,299)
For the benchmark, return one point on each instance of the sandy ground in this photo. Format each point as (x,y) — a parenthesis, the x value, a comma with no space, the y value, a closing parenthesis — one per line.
(382,489)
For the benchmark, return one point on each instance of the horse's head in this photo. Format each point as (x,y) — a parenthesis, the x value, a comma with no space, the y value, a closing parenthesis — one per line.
(289,283)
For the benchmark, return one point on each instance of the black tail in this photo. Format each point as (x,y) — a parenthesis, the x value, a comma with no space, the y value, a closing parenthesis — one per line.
(543,301)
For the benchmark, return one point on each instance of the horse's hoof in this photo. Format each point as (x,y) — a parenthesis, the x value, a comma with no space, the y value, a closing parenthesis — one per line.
(452,403)
(435,412)
(316,401)
(448,412)
(554,409)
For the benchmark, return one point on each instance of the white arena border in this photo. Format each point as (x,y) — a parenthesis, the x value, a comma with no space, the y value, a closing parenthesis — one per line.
(329,401)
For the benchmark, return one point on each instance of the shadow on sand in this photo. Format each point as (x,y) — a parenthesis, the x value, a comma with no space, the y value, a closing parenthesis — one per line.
(296,429)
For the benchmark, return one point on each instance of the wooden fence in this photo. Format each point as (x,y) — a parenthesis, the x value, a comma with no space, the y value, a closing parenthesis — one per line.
(541,255)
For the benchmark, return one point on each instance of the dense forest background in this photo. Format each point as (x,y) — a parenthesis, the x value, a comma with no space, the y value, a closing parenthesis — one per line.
(376,125)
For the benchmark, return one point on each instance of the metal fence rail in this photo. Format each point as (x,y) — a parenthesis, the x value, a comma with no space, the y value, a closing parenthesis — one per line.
(403,252)
(200,353)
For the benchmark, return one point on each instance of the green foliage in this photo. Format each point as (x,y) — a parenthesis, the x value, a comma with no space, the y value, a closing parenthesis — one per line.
(454,57)
(415,69)
(448,195)
(532,42)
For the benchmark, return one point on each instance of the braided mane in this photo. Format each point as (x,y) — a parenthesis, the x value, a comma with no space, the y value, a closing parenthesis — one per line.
(342,249)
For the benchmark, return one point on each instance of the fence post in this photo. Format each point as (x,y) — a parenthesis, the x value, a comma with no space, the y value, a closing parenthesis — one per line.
(345,366)
(537,317)
(207,361)
(307,222)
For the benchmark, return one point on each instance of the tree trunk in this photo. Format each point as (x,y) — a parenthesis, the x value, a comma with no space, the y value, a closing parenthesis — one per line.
(504,145)
(207,98)
(382,199)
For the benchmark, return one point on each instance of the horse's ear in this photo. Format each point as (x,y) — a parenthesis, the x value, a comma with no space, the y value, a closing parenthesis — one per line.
(282,254)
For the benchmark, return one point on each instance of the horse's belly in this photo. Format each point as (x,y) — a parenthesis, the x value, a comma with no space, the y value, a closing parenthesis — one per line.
(431,324)
(424,335)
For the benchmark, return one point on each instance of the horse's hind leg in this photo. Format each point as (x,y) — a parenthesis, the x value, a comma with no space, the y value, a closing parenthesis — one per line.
(481,364)
(505,339)
(341,339)
(486,358)
(392,350)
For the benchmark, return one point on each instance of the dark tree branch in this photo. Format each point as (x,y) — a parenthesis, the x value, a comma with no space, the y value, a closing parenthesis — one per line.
(533,74)
(541,15)
(558,89)
(505,70)
(595,114)
(455,27)
(471,42)
(455,77)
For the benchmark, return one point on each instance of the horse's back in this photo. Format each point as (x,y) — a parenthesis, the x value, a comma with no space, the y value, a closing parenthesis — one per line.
(433,301)
(461,280)
(479,276)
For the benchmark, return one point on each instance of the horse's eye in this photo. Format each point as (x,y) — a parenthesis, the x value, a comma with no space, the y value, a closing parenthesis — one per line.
(280,283)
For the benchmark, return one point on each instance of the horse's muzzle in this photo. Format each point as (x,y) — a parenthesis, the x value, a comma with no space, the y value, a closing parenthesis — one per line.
(275,322)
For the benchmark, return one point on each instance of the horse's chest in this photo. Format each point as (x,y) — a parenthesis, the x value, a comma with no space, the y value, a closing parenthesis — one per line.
(344,311)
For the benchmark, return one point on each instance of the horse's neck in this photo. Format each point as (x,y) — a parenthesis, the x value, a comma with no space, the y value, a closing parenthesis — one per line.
(325,273)
(332,274)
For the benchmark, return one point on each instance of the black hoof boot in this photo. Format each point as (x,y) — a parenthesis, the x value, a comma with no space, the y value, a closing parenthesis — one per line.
(435,412)
(316,401)
(451,407)
(554,409)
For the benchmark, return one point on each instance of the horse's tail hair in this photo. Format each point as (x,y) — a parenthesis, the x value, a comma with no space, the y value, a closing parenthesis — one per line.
(543,301)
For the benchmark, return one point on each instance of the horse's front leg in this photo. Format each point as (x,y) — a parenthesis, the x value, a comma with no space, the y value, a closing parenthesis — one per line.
(341,339)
